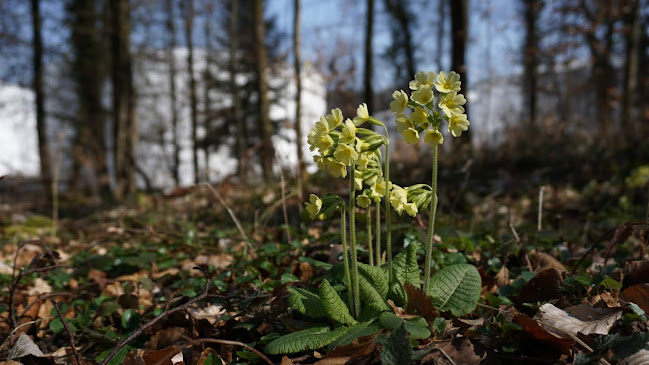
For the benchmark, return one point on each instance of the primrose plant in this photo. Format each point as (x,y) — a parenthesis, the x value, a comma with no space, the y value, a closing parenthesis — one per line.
(347,150)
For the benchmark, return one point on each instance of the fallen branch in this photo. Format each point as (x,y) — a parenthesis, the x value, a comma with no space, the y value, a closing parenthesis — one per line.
(228,342)
(69,331)
(162,315)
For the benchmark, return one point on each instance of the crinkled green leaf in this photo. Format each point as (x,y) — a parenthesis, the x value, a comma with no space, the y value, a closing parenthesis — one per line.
(308,339)
(456,289)
(417,327)
(373,285)
(396,349)
(335,308)
(354,332)
(405,267)
(305,302)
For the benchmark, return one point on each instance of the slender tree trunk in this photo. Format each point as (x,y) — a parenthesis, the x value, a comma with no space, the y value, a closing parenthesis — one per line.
(265,127)
(631,68)
(175,146)
(459,30)
(530,58)
(397,10)
(124,122)
(439,37)
(367,75)
(239,122)
(37,85)
(189,27)
(298,99)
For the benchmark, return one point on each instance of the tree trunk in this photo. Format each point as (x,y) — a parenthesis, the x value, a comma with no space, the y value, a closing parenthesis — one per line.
(397,10)
(189,27)
(439,37)
(265,127)
(175,146)
(239,122)
(124,124)
(367,76)
(632,38)
(301,171)
(459,30)
(43,145)
(530,57)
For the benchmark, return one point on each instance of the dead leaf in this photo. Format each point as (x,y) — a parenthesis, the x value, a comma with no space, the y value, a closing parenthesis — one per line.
(502,278)
(538,333)
(543,287)
(10,362)
(359,348)
(461,350)
(163,338)
(24,346)
(561,323)
(286,361)
(306,271)
(170,271)
(165,356)
(5,269)
(638,294)
(98,277)
(639,358)
(541,261)
(211,313)
(636,272)
(400,312)
(419,302)
(39,287)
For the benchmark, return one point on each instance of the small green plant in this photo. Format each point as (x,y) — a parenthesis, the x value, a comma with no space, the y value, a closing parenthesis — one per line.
(348,150)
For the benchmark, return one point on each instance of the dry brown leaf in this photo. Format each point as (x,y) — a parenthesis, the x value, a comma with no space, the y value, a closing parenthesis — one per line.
(543,287)
(461,350)
(163,338)
(306,271)
(170,271)
(538,333)
(359,348)
(419,302)
(502,278)
(211,313)
(39,287)
(638,294)
(561,323)
(98,277)
(636,272)
(586,312)
(24,346)
(171,355)
(10,362)
(541,261)
(639,358)
(286,361)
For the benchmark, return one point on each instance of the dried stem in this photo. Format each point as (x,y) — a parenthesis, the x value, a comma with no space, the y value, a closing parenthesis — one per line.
(199,341)
(69,332)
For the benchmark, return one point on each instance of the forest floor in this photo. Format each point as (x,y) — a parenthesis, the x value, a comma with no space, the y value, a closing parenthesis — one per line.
(170,279)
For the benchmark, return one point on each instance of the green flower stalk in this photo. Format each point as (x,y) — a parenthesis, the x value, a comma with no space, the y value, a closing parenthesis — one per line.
(431,223)
(370,249)
(378,233)
(343,228)
(352,238)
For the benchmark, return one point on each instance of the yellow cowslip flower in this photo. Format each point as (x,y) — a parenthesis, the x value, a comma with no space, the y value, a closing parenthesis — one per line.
(398,198)
(313,206)
(336,168)
(335,118)
(451,103)
(358,180)
(433,137)
(419,116)
(362,114)
(457,123)
(411,209)
(448,83)
(403,123)
(410,135)
(379,187)
(345,154)
(400,102)
(319,136)
(363,201)
(362,162)
(321,161)
(421,79)
(348,134)
(423,95)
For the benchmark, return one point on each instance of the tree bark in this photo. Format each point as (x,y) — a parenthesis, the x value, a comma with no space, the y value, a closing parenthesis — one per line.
(189,27)
(265,127)
(632,37)
(439,37)
(367,75)
(175,146)
(239,122)
(124,123)
(530,57)
(397,10)
(459,30)
(39,98)
(301,171)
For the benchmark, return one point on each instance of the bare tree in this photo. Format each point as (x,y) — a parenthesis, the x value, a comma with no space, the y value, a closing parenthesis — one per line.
(37,85)
(298,97)
(460,31)
(264,124)
(401,49)
(173,100)
(193,99)
(532,9)
(239,122)
(632,40)
(367,72)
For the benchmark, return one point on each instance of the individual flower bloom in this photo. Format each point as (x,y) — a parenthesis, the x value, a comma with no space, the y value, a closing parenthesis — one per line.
(362,114)
(423,95)
(411,209)
(400,102)
(403,123)
(358,180)
(419,116)
(336,168)
(433,137)
(451,103)
(363,201)
(457,123)
(313,206)
(411,136)
(421,79)
(335,118)
(398,198)
(448,83)
(345,154)
(320,128)
(361,145)
(379,187)
(348,133)
(362,162)
(321,161)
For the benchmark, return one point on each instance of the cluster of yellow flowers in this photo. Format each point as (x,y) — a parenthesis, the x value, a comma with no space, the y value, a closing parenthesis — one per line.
(424,116)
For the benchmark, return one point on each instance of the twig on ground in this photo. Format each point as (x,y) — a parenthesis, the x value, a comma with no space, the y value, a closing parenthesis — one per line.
(229,342)
(46,297)
(69,331)
(540,217)
(227,207)
(162,315)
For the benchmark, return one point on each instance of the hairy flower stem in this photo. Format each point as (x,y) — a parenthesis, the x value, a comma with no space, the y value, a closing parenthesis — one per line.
(343,228)
(370,249)
(352,238)
(378,233)
(388,220)
(431,224)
